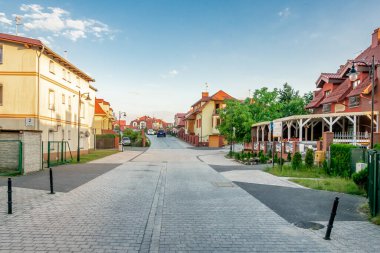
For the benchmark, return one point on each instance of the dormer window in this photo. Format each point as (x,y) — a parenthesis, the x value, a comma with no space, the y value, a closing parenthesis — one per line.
(355,84)
(327,93)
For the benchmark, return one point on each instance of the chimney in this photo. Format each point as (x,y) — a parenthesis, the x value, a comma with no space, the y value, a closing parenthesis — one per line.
(204,94)
(375,38)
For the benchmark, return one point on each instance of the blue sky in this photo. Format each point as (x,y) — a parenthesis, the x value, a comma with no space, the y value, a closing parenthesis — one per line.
(154,57)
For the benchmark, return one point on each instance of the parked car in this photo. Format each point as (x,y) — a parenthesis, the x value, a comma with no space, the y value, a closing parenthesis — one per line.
(126,141)
(161,133)
(150,132)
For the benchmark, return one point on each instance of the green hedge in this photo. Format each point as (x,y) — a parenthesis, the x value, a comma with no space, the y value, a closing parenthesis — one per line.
(341,160)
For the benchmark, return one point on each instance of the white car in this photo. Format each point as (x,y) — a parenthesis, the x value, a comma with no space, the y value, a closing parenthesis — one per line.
(150,132)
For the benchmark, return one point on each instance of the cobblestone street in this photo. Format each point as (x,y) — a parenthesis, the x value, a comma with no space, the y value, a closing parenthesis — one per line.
(161,200)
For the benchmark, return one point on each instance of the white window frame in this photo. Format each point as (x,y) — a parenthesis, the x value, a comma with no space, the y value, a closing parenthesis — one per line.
(51,105)
(1,54)
(1,94)
(51,67)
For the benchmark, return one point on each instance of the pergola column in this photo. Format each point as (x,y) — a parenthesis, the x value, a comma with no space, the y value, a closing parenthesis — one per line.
(353,120)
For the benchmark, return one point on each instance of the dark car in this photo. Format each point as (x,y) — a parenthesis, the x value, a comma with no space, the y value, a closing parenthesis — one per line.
(161,133)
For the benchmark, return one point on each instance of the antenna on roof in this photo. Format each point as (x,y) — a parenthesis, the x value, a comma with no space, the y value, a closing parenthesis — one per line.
(18,23)
(206,86)
(65,54)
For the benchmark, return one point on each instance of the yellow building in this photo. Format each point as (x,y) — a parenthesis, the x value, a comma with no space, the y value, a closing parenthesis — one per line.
(104,117)
(40,90)
(203,118)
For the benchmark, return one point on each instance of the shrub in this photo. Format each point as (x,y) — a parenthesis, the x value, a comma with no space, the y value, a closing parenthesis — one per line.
(326,168)
(309,158)
(341,159)
(297,161)
(281,161)
(237,156)
(289,157)
(361,179)
(263,158)
(269,153)
(255,154)
(275,158)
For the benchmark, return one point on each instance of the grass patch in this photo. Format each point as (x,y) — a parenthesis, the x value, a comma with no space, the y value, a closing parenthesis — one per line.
(95,154)
(288,171)
(365,210)
(336,184)
(9,173)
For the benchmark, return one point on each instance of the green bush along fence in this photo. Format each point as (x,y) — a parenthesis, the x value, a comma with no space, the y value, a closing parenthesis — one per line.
(11,156)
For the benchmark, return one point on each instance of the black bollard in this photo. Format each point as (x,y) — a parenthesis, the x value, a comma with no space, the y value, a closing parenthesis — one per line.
(51,182)
(9,196)
(332,217)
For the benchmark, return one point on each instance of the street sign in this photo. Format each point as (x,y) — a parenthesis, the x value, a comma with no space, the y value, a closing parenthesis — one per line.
(277,129)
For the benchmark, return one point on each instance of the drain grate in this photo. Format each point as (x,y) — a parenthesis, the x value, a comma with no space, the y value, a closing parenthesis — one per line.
(223,184)
(308,225)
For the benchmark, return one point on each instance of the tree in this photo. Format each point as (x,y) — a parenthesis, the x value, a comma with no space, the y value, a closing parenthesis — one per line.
(291,102)
(236,115)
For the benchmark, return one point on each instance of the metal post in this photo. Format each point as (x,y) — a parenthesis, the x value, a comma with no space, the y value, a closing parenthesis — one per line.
(9,196)
(78,149)
(372,96)
(51,182)
(332,217)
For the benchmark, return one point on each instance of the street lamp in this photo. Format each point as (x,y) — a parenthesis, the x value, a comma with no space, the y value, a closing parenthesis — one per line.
(121,114)
(87,94)
(353,75)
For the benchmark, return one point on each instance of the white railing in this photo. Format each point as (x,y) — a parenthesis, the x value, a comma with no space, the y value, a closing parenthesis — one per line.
(289,147)
(255,145)
(349,137)
(262,145)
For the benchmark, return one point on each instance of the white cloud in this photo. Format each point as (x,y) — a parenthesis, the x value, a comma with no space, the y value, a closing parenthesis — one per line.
(4,20)
(59,22)
(284,13)
(172,73)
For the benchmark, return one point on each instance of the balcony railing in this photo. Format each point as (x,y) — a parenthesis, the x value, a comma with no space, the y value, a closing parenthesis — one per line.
(349,137)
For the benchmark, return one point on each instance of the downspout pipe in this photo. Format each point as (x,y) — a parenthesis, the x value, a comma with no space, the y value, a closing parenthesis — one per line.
(39,53)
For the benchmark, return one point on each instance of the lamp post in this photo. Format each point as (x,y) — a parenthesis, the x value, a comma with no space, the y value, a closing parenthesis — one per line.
(353,75)
(124,115)
(80,95)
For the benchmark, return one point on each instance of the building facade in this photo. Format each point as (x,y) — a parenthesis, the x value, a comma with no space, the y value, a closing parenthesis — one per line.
(40,90)
(104,118)
(203,118)
(146,122)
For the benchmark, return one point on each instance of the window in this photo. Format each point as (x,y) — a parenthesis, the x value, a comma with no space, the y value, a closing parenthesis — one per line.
(64,74)
(217,122)
(355,84)
(326,108)
(63,99)
(68,76)
(327,93)
(1,94)
(353,101)
(78,82)
(51,100)
(51,67)
(1,54)
(69,102)
(134,124)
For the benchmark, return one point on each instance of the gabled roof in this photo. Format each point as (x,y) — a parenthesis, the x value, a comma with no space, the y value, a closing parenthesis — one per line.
(329,78)
(359,89)
(221,95)
(339,93)
(316,100)
(37,43)
(98,109)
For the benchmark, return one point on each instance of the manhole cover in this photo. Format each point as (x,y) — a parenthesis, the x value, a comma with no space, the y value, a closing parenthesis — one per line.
(223,184)
(308,225)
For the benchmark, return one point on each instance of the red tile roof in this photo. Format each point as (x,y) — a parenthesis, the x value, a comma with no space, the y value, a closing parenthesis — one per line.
(221,95)
(98,109)
(339,93)
(48,51)
(316,100)
(359,89)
